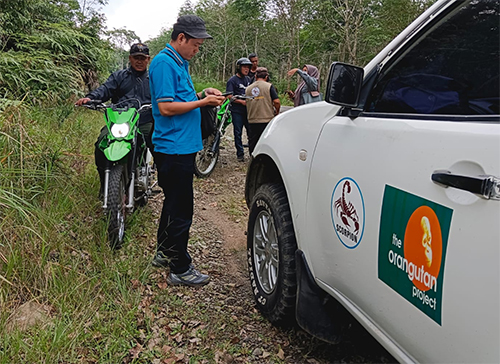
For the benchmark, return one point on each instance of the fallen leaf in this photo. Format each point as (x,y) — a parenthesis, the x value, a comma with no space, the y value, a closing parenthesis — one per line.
(194,323)
(281,354)
(27,315)
(165,349)
(135,351)
(257,352)
(153,343)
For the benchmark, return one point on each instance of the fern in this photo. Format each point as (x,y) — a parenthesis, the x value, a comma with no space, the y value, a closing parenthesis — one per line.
(48,50)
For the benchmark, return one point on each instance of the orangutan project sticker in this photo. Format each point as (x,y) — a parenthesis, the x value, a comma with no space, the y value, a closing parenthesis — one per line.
(412,248)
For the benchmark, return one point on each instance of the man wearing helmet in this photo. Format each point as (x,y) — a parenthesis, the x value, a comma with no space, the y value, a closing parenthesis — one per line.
(237,84)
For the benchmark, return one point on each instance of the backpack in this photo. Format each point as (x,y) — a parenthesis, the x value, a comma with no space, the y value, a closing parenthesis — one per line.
(208,121)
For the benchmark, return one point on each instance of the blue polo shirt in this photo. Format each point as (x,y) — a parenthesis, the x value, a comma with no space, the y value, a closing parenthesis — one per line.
(170,81)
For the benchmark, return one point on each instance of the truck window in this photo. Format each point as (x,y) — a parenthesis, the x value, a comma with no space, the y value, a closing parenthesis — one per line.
(453,69)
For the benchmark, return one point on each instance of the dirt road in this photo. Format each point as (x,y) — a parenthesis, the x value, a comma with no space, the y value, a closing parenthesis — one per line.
(218,246)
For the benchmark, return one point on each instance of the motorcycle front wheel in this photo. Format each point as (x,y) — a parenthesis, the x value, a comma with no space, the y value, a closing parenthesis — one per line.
(206,160)
(116,211)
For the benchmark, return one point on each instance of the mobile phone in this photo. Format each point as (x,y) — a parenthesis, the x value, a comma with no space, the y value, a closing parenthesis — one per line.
(227,93)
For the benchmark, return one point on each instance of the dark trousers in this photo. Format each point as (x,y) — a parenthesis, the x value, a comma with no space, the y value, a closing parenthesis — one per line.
(239,121)
(175,177)
(255,131)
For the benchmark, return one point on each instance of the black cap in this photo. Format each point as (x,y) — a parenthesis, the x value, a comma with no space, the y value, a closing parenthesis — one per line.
(139,49)
(192,25)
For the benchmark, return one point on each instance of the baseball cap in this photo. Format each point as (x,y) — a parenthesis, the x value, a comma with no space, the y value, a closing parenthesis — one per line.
(139,49)
(192,25)
(261,72)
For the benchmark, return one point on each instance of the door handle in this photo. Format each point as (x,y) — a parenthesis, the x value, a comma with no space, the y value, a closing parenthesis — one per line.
(487,187)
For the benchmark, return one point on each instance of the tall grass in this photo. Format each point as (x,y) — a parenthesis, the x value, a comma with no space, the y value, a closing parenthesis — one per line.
(53,248)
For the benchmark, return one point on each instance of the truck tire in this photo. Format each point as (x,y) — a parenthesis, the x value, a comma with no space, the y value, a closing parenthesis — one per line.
(271,246)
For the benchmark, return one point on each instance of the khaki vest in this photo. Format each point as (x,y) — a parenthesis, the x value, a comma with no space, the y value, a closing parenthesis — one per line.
(260,109)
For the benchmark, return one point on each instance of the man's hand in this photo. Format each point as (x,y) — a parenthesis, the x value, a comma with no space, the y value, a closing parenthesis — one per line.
(241,102)
(214,100)
(208,97)
(290,94)
(212,91)
(82,101)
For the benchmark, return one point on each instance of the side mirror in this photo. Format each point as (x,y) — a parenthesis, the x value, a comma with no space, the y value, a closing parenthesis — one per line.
(344,84)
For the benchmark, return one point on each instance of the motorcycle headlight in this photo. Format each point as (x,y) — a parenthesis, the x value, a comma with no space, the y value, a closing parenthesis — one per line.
(120,130)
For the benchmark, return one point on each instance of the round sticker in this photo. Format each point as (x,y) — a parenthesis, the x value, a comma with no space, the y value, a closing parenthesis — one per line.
(348,212)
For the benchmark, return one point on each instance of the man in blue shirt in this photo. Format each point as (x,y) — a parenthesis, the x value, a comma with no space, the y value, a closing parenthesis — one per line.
(237,84)
(177,139)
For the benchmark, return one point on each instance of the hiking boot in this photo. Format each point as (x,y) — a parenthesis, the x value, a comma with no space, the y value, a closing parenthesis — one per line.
(191,277)
(160,260)
(241,159)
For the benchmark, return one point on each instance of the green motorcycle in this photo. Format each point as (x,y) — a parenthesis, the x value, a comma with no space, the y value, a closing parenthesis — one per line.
(128,173)
(206,159)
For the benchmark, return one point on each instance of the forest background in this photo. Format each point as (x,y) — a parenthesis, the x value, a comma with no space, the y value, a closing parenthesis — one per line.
(53,256)
(56,49)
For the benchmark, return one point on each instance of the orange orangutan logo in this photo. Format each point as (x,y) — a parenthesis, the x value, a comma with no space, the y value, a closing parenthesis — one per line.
(423,247)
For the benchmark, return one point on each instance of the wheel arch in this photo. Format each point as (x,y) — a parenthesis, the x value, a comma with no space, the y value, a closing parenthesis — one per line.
(262,169)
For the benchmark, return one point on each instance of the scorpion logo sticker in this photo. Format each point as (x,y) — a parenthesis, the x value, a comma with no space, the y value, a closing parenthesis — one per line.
(348,212)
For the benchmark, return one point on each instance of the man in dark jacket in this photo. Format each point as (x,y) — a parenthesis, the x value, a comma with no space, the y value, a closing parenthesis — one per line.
(130,83)
(237,85)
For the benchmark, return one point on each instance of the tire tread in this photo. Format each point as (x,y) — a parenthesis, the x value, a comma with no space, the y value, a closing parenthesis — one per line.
(114,204)
(283,311)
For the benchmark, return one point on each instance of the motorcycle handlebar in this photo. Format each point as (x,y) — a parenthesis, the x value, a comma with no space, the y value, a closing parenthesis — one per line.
(99,105)
(94,105)
(144,108)
(241,97)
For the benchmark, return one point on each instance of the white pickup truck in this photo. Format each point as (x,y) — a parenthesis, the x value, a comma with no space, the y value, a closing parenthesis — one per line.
(384,199)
